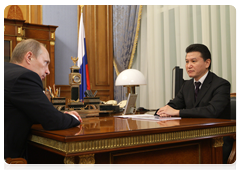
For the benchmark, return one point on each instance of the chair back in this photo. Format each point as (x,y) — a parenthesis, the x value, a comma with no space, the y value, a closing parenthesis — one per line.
(233,107)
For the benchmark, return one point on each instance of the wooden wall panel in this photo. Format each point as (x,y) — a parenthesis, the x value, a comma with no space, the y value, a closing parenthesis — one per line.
(30,13)
(98,31)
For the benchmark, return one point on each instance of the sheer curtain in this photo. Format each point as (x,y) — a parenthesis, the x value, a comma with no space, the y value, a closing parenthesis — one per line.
(165,33)
(125,21)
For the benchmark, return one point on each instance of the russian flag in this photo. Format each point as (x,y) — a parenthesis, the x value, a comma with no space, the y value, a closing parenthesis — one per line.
(82,61)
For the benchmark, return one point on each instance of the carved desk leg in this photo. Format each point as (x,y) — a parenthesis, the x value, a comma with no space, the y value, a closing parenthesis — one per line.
(83,159)
(69,160)
(233,155)
(87,159)
(217,155)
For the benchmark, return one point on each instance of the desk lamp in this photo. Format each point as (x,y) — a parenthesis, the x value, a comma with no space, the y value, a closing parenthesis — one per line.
(130,78)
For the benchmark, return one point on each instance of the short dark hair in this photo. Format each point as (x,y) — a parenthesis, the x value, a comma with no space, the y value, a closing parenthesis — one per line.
(23,47)
(205,53)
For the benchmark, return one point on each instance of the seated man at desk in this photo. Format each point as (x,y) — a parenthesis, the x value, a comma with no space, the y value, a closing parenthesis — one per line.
(205,95)
(24,101)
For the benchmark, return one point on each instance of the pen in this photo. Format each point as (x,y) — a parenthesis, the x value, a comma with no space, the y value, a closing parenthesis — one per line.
(50,91)
(54,91)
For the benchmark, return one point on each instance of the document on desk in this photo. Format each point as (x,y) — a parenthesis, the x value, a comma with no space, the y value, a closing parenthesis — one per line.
(148,117)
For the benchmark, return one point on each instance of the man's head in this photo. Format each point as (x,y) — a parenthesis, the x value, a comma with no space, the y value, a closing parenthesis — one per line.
(198,60)
(32,55)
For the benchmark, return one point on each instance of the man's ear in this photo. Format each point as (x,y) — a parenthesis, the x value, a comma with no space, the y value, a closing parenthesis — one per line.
(208,62)
(28,57)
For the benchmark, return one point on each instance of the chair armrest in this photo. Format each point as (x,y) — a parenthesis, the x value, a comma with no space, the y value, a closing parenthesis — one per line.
(232,156)
(14,163)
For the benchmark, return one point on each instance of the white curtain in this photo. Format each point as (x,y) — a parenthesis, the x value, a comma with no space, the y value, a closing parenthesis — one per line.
(165,33)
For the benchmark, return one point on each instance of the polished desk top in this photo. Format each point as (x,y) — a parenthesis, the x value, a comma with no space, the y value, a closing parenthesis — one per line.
(104,134)
(93,128)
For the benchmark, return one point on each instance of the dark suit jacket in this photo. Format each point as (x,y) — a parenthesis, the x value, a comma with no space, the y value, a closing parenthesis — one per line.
(213,100)
(24,105)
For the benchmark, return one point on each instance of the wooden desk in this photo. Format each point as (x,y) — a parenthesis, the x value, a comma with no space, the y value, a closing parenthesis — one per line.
(117,140)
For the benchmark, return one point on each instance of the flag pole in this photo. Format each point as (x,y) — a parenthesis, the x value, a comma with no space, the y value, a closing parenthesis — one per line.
(81,8)
(82,62)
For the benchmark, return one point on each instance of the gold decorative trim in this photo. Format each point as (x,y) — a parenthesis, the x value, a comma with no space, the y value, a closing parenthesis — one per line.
(111,143)
(19,30)
(136,37)
(115,66)
(52,35)
(217,142)
(52,42)
(19,38)
(69,160)
(87,159)
(81,8)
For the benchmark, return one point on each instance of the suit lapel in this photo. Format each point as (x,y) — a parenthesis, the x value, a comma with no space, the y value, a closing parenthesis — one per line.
(206,84)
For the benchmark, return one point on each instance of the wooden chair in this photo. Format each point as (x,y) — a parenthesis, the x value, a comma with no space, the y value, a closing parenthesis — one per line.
(232,156)
(14,163)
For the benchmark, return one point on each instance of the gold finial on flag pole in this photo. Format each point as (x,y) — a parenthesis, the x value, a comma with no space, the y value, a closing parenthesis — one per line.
(81,8)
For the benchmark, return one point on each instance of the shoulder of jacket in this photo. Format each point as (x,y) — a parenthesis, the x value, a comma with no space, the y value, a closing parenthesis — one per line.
(24,73)
(219,80)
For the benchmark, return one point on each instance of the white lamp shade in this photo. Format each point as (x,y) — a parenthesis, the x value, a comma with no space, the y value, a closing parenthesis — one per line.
(130,77)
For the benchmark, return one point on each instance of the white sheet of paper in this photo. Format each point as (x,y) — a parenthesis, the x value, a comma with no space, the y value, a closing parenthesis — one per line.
(148,117)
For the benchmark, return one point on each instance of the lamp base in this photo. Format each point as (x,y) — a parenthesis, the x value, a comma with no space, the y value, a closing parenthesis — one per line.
(130,89)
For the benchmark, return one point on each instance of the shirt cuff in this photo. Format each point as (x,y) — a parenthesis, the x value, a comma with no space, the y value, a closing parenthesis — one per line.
(75,117)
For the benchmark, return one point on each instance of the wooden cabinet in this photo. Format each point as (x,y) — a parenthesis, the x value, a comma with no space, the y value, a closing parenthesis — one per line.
(12,35)
(17,30)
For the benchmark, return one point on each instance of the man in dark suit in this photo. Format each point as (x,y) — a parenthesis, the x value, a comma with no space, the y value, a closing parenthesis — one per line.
(204,96)
(213,97)
(24,101)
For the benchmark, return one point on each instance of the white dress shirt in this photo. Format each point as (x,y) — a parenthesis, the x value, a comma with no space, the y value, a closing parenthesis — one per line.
(201,80)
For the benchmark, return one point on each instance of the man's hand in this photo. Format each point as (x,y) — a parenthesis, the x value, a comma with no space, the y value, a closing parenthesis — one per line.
(74,113)
(167,111)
